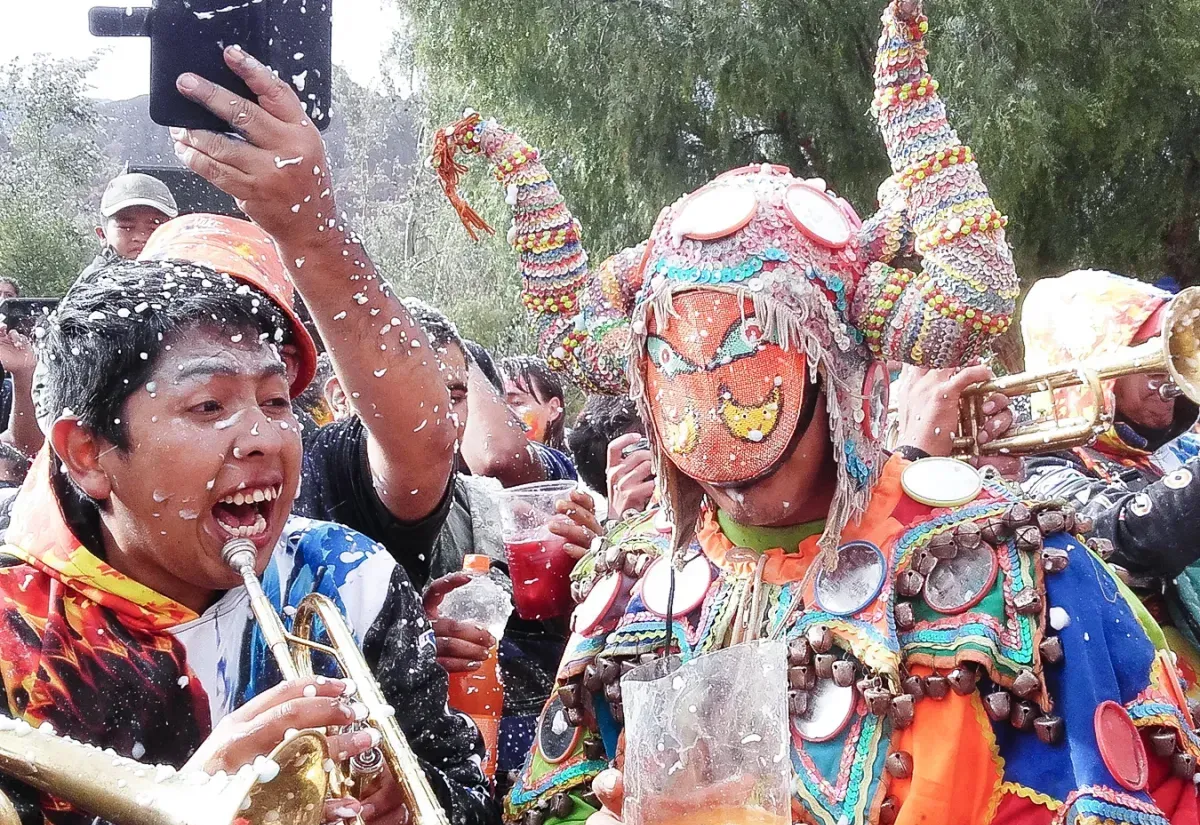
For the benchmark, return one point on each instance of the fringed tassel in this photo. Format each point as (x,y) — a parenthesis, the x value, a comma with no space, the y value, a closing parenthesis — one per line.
(446,144)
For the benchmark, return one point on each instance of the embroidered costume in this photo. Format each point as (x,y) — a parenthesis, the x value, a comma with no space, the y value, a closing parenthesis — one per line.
(962,660)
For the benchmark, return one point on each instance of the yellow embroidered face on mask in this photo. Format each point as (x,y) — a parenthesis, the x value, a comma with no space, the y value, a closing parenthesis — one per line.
(724,401)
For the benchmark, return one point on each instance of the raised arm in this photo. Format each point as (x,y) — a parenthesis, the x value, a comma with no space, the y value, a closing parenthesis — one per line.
(965,292)
(280,177)
(17,356)
(581,317)
(494,442)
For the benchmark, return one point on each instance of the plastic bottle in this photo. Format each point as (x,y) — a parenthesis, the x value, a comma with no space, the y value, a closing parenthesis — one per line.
(480,694)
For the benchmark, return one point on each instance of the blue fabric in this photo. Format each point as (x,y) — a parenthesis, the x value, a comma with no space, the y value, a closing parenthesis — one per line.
(323,554)
(558,466)
(1107,656)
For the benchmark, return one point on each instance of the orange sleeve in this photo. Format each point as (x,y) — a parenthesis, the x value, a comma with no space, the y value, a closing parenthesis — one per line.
(957,770)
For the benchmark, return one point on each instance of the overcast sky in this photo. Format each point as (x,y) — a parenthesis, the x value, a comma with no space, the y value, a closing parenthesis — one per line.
(362,29)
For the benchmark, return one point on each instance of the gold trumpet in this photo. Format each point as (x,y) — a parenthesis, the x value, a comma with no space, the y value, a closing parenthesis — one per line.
(127,792)
(293,654)
(1175,353)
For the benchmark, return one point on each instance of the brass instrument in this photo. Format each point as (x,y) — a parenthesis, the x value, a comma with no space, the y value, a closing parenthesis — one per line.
(127,792)
(292,652)
(1175,353)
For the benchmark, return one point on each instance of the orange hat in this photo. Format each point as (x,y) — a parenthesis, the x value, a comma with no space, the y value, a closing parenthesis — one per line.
(244,252)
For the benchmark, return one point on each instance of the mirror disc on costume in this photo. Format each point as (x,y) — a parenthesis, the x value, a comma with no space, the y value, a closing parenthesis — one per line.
(855,582)
(556,736)
(691,586)
(830,709)
(1121,746)
(715,212)
(817,215)
(958,584)
(876,395)
(591,613)
(941,482)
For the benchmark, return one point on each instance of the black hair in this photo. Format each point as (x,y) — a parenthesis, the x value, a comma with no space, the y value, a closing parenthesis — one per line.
(480,357)
(603,418)
(107,334)
(16,461)
(314,394)
(533,375)
(439,329)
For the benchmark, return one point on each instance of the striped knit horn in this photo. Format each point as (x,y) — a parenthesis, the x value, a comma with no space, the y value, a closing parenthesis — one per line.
(581,321)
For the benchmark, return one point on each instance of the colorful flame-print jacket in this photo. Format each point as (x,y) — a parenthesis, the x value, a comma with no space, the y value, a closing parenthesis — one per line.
(1001,674)
(107,661)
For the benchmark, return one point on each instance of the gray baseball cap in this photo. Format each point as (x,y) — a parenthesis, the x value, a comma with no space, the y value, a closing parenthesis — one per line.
(136,189)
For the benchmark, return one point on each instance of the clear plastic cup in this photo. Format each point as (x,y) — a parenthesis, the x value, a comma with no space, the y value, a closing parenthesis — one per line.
(706,742)
(539,566)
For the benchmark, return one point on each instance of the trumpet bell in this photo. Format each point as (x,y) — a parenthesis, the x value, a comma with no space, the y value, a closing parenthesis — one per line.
(127,792)
(1181,342)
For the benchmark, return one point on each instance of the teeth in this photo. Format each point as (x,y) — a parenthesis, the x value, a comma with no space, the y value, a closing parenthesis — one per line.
(246,531)
(254,496)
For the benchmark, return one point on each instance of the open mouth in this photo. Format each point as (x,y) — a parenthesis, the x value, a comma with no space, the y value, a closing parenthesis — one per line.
(246,513)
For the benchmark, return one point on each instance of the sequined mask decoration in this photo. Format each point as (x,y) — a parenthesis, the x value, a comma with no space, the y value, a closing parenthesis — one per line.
(725,401)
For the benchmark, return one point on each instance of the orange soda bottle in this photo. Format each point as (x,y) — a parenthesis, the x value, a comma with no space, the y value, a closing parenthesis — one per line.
(480,694)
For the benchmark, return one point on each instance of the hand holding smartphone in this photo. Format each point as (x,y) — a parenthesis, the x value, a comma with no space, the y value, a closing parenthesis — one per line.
(293,38)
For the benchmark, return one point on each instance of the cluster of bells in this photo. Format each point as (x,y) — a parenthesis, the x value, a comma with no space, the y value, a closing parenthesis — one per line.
(813,655)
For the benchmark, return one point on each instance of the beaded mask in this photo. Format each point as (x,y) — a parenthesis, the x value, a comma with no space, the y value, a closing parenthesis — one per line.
(755,256)
(725,402)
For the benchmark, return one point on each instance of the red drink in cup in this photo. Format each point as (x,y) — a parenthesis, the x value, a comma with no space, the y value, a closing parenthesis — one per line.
(539,566)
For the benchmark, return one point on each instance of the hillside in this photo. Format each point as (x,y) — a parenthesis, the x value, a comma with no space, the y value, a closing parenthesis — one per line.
(128,136)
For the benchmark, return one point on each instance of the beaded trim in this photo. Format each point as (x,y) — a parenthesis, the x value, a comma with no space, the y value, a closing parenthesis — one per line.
(1098,805)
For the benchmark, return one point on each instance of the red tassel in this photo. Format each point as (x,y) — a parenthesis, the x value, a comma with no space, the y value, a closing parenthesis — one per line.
(446,144)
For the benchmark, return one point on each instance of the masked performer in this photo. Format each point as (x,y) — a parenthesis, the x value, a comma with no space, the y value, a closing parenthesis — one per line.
(990,668)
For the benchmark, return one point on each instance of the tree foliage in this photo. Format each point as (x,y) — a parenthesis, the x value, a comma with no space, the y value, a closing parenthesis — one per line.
(1083,112)
(49,162)
(418,245)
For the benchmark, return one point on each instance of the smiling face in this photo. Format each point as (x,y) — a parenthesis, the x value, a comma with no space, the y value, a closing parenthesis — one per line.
(724,401)
(214,452)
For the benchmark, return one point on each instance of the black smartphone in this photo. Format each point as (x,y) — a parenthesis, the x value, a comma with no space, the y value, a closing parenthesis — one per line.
(293,37)
(24,314)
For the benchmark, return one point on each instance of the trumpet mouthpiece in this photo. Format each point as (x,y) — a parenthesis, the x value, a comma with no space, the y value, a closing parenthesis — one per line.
(237,553)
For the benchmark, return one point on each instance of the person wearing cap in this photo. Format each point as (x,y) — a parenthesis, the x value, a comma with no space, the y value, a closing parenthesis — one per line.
(1139,480)
(953,653)
(132,207)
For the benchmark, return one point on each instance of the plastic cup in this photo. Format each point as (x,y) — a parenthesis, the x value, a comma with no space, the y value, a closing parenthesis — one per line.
(706,742)
(539,566)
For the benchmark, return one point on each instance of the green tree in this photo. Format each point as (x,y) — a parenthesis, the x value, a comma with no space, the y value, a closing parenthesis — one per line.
(49,161)
(1083,112)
